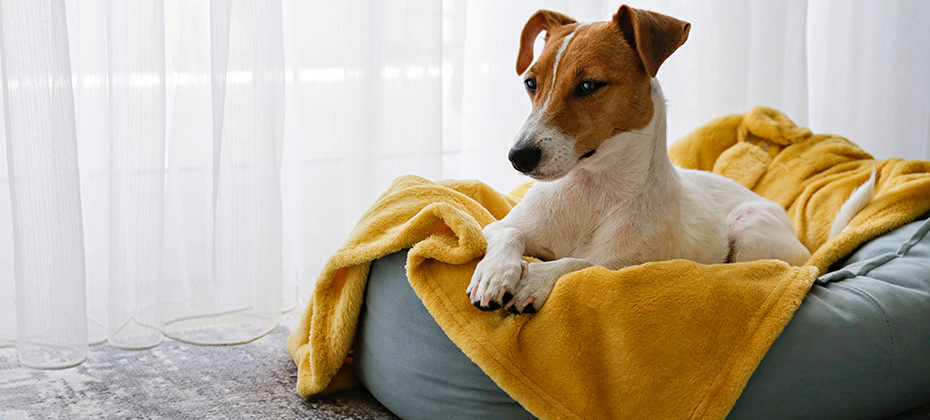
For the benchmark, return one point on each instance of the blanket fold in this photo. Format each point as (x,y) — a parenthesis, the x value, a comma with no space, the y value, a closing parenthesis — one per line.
(672,339)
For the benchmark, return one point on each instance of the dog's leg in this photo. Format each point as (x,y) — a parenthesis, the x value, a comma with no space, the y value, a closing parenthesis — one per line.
(538,281)
(760,230)
(496,276)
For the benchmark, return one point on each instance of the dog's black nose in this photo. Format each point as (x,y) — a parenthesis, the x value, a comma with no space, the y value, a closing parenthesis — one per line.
(525,158)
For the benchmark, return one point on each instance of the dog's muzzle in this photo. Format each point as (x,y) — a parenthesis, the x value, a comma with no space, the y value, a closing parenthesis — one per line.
(525,158)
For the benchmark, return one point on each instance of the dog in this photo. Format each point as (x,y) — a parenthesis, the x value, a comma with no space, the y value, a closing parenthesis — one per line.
(606,192)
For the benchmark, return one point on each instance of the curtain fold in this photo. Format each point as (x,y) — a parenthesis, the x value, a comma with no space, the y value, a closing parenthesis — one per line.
(136,116)
(221,269)
(183,168)
(43,186)
(239,299)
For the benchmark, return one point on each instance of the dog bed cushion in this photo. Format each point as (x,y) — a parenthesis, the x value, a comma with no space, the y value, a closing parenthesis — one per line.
(671,339)
(856,348)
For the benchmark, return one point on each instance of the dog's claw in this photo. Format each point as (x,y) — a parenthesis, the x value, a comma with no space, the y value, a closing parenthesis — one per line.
(492,306)
(501,293)
(486,306)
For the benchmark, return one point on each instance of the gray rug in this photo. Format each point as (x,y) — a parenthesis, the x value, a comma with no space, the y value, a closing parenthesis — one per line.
(175,381)
(181,381)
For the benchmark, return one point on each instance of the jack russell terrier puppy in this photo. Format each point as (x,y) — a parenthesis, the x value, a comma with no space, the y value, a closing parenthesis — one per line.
(608,194)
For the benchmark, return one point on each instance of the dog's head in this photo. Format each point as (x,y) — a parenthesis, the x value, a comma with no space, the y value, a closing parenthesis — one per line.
(591,82)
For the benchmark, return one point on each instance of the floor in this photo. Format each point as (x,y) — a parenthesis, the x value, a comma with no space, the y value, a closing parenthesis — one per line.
(176,380)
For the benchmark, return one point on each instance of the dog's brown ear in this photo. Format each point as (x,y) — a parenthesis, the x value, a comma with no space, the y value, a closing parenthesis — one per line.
(654,36)
(540,21)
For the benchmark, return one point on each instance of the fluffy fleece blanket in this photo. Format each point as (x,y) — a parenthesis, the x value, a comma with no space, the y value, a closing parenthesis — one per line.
(672,339)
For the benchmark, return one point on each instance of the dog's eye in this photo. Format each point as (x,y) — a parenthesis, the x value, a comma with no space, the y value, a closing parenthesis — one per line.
(530,85)
(588,87)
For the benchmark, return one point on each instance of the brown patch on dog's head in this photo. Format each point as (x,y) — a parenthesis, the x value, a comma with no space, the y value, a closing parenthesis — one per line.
(654,36)
(602,84)
(542,20)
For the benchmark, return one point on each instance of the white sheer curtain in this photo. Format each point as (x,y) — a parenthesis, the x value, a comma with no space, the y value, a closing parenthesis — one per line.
(144,150)
(176,168)
(183,168)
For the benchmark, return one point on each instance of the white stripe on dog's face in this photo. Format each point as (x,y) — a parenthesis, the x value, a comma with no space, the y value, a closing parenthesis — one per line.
(557,149)
(534,117)
(555,67)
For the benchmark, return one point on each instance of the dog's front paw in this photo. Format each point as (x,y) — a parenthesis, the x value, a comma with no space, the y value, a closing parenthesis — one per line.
(494,281)
(534,288)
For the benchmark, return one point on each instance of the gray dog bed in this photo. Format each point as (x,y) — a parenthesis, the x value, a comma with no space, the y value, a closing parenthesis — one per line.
(857,348)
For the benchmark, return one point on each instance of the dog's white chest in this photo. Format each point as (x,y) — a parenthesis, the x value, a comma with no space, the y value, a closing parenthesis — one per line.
(576,222)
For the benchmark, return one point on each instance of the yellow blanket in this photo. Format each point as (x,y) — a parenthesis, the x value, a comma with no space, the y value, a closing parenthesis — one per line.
(665,340)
